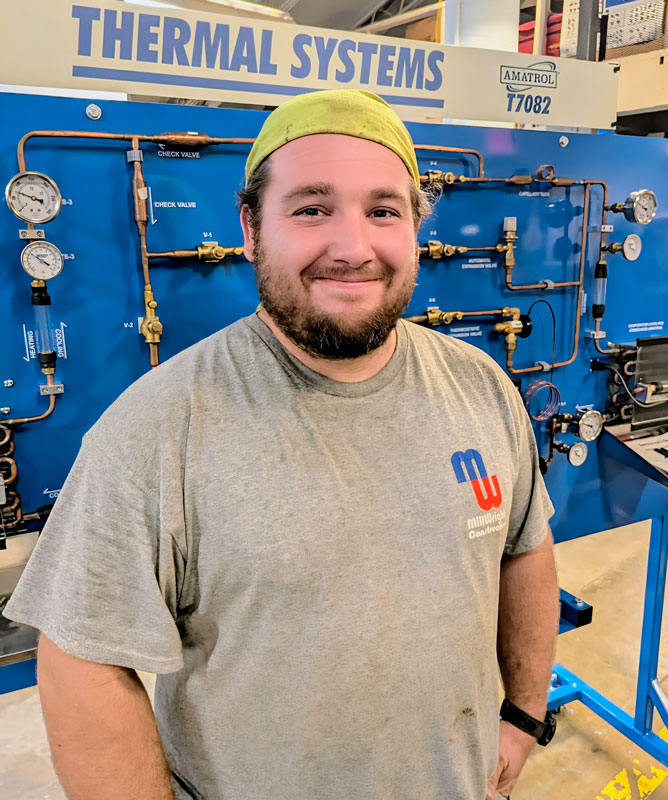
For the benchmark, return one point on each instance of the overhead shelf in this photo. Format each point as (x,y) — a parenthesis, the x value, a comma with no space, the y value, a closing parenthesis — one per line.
(643,83)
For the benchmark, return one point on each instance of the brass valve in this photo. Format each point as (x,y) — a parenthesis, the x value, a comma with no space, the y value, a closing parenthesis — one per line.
(437,317)
(511,327)
(212,252)
(151,327)
(511,342)
(436,177)
(435,249)
(510,236)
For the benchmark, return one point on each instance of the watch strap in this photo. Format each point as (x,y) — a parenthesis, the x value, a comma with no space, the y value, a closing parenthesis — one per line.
(541,731)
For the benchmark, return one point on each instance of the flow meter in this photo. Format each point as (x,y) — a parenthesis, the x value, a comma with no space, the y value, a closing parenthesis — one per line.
(42,260)
(33,197)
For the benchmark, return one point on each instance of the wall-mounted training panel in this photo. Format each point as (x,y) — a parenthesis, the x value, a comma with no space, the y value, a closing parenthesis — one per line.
(121,247)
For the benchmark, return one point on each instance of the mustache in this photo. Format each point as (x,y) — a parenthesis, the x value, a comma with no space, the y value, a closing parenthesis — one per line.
(313,272)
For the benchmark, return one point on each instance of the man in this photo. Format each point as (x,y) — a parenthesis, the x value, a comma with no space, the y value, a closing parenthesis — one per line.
(305,524)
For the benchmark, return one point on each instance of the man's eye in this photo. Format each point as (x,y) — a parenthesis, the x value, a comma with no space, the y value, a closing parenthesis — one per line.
(311,211)
(383,213)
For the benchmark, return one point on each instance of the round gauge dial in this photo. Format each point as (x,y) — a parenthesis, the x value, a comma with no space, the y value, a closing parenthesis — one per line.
(632,247)
(33,197)
(590,425)
(42,260)
(640,206)
(577,454)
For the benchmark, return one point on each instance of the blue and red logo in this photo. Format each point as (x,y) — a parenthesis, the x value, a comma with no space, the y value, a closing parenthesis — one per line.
(469,466)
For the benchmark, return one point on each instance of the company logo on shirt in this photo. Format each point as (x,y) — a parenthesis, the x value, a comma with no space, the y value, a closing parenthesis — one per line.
(469,466)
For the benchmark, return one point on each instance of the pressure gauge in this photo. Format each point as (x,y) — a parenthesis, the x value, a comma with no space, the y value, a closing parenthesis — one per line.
(631,247)
(42,260)
(577,454)
(33,197)
(589,425)
(640,206)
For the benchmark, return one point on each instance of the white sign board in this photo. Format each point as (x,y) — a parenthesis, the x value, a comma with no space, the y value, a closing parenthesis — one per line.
(115,46)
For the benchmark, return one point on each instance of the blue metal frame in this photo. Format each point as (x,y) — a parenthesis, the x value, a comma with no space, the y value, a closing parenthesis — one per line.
(567,687)
(19,675)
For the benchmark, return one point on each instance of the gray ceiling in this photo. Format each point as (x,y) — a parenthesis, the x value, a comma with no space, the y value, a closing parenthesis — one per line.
(343,15)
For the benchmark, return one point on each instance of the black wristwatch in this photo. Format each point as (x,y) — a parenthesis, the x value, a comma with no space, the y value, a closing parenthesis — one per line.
(543,731)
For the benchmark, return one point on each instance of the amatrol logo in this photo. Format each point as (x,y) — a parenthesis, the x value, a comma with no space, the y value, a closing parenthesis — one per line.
(541,75)
(469,466)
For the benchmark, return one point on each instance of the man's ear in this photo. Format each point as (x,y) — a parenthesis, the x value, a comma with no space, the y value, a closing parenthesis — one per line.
(247,228)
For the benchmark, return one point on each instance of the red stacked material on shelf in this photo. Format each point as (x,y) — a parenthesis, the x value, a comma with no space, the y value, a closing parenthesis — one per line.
(551,40)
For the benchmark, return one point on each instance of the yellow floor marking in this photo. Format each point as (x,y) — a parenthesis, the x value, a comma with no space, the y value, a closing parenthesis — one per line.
(647,785)
(619,788)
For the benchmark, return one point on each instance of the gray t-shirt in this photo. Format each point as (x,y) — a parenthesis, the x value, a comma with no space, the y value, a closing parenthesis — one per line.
(312,567)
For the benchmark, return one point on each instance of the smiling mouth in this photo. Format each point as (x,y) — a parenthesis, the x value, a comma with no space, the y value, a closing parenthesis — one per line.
(346,280)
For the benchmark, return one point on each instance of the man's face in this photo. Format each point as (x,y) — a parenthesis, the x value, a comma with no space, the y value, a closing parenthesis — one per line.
(335,256)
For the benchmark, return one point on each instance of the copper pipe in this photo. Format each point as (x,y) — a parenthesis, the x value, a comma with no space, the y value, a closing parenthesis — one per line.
(200,140)
(441,149)
(7,449)
(465,179)
(179,139)
(140,197)
(174,254)
(13,470)
(195,253)
(5,435)
(420,318)
(513,371)
(605,194)
(515,288)
(52,404)
(583,260)
(13,506)
(597,329)
(552,426)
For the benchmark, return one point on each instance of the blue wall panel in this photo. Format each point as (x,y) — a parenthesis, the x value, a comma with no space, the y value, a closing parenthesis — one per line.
(99,295)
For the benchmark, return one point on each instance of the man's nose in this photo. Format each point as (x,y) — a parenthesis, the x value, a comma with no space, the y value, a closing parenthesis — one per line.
(351,240)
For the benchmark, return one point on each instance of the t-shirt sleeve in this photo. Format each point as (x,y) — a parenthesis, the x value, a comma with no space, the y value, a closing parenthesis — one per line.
(103,580)
(531,506)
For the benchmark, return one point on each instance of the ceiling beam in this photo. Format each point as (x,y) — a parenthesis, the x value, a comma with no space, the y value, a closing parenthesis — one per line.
(402,19)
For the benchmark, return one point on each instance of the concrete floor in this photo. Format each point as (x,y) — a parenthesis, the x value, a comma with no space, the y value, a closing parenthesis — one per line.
(587,760)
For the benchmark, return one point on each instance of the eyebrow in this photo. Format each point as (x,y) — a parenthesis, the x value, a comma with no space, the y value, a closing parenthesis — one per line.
(327,190)
(388,194)
(309,190)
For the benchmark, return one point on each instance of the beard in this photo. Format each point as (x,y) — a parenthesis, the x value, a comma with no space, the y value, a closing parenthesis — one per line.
(318,333)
